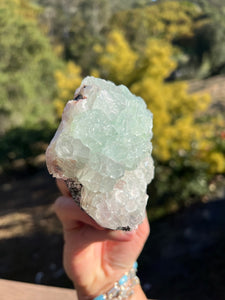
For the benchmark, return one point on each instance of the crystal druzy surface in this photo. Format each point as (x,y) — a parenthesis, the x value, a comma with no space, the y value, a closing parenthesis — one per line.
(103,146)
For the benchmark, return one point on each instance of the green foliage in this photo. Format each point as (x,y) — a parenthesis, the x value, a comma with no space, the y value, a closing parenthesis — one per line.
(117,59)
(206,47)
(169,20)
(180,181)
(27,67)
(25,143)
(79,25)
(213,36)
(196,27)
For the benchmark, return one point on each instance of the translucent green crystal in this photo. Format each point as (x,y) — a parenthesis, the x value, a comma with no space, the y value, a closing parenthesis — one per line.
(103,142)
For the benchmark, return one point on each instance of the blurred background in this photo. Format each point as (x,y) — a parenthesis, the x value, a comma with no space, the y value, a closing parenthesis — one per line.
(171,53)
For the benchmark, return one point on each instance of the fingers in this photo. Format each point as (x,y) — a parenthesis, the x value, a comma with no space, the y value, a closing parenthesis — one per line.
(73,218)
(70,215)
(68,212)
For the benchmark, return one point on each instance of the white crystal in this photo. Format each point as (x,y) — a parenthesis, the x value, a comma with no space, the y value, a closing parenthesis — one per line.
(103,141)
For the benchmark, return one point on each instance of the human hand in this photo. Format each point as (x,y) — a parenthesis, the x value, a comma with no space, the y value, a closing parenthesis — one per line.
(95,257)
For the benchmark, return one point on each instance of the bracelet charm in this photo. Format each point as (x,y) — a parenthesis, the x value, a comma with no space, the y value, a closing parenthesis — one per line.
(123,288)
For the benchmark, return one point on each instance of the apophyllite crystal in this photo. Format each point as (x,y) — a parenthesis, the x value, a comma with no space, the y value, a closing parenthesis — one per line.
(102,150)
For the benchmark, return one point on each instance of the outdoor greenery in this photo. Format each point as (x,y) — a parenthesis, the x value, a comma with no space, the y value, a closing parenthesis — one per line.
(27,66)
(48,46)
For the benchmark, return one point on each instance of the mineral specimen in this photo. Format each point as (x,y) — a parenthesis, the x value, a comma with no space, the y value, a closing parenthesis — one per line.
(102,150)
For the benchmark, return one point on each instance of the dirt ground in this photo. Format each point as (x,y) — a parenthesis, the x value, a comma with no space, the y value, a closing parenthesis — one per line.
(183,257)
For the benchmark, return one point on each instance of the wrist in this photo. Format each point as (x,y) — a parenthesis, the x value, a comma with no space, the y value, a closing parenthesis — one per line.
(128,286)
(137,295)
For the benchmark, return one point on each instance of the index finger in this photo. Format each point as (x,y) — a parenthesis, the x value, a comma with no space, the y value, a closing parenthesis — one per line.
(68,212)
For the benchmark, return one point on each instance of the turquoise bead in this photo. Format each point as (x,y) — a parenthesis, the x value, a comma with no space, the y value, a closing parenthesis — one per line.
(100,297)
(135,265)
(123,279)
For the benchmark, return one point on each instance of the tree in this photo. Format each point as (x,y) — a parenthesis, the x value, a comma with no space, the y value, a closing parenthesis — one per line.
(77,25)
(117,58)
(206,46)
(213,37)
(27,65)
(167,20)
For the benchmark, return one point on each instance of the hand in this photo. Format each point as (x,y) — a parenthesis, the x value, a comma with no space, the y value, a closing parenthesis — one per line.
(95,257)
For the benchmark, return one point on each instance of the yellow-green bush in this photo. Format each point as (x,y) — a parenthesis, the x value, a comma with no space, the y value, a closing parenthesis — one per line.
(168,20)
(212,147)
(118,57)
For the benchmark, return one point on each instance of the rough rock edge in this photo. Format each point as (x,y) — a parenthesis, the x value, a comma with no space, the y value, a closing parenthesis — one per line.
(75,188)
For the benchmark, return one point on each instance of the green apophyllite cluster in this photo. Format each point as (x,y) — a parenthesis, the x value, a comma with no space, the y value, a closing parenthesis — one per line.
(103,143)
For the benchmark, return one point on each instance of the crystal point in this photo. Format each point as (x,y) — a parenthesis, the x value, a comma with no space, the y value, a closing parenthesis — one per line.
(102,150)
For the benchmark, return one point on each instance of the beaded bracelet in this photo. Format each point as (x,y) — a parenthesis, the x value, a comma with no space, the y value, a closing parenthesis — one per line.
(123,288)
